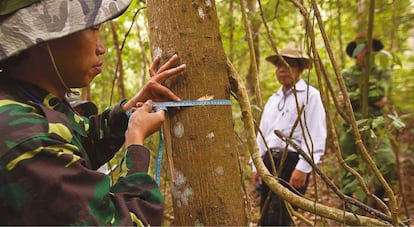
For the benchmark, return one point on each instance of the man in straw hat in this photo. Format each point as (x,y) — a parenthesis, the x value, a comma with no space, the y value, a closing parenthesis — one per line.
(281,113)
(378,84)
(48,153)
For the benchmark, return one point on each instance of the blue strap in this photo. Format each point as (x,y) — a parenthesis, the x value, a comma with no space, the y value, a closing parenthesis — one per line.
(30,96)
(159,159)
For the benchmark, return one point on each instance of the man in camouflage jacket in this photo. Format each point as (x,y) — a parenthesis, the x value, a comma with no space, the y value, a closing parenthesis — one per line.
(378,84)
(48,153)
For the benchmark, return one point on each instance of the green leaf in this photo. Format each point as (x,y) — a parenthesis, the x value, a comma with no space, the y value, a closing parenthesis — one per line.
(397,122)
(360,194)
(378,121)
(351,157)
(256,107)
(383,59)
(372,134)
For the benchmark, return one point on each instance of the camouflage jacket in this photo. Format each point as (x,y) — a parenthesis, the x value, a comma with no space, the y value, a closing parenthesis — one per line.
(377,88)
(48,158)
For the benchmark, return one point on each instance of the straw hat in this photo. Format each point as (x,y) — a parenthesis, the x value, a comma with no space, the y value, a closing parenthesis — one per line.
(26,23)
(290,52)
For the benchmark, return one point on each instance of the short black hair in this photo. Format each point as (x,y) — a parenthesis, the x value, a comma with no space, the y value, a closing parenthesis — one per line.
(13,61)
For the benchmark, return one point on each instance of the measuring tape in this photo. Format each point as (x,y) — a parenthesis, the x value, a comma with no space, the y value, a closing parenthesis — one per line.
(187,103)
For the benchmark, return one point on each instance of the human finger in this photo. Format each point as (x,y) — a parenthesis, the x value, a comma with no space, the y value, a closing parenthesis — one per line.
(163,93)
(168,64)
(139,104)
(133,109)
(153,65)
(162,76)
(146,106)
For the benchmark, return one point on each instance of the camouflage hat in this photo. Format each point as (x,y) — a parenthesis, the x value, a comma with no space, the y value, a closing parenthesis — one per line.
(44,20)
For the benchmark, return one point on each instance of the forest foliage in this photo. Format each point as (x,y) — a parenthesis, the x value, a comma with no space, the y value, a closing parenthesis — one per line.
(343,19)
(394,24)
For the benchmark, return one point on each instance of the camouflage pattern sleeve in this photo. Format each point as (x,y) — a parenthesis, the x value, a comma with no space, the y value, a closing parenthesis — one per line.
(47,175)
(54,187)
(145,198)
(351,77)
(378,83)
(105,135)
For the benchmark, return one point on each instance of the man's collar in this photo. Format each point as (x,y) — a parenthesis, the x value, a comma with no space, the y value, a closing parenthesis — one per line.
(300,86)
(37,94)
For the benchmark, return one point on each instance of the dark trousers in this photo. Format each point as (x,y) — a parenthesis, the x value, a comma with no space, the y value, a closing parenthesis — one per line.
(276,213)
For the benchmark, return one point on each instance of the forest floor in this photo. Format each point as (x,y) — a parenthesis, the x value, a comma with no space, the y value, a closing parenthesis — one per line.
(318,189)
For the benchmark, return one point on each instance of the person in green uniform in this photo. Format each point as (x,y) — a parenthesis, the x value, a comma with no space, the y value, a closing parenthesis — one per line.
(378,85)
(49,154)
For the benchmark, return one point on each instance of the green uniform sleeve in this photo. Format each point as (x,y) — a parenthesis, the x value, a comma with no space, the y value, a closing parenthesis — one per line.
(47,174)
(46,182)
(378,85)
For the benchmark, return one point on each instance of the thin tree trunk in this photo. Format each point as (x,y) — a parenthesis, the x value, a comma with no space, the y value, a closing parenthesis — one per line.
(145,60)
(341,45)
(231,30)
(361,13)
(119,74)
(207,185)
(252,34)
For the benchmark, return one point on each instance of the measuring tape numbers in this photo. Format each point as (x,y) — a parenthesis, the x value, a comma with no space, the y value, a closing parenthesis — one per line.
(187,103)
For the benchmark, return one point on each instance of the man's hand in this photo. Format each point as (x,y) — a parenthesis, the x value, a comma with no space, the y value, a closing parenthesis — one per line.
(257,182)
(154,89)
(298,179)
(143,123)
(256,178)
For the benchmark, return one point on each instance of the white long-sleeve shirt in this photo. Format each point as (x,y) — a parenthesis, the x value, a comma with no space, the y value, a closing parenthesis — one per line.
(280,112)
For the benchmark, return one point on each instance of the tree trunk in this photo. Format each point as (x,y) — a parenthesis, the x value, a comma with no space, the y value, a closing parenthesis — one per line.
(361,16)
(251,77)
(206,181)
(119,74)
(231,26)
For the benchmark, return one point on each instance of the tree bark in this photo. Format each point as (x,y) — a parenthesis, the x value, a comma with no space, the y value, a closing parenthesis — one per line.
(252,27)
(119,74)
(207,182)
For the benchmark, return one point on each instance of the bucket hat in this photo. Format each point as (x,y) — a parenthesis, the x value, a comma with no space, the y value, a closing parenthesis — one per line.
(354,47)
(35,21)
(290,52)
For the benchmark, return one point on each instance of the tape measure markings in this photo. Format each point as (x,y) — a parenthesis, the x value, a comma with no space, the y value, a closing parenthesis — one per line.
(187,103)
